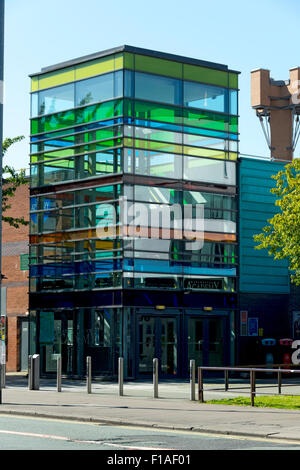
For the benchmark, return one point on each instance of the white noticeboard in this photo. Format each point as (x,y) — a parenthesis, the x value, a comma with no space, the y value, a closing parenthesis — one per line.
(3,353)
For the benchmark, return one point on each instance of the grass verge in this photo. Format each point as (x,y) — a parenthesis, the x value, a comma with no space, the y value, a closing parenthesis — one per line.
(284,401)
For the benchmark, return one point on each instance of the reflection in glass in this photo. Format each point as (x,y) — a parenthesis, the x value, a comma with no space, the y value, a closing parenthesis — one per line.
(208,97)
(157,88)
(56,99)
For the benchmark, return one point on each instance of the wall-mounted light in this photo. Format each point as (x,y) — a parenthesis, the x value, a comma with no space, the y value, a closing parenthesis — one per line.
(207,309)
(160,307)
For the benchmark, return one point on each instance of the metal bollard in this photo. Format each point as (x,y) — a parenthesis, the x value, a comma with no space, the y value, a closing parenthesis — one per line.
(3,375)
(252,386)
(200,385)
(155,378)
(226,380)
(192,379)
(35,372)
(121,375)
(59,373)
(89,374)
(30,373)
(279,381)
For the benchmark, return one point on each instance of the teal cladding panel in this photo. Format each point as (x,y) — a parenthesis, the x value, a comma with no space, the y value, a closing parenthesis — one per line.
(259,272)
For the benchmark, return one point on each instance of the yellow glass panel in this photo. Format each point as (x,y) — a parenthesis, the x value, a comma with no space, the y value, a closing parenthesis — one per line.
(56,78)
(95,67)
(202,152)
(34,83)
(119,62)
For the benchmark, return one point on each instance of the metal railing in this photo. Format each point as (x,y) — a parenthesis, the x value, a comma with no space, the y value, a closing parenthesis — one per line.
(34,377)
(252,371)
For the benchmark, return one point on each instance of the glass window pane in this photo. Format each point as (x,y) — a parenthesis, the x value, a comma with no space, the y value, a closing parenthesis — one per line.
(233,102)
(209,170)
(56,99)
(156,88)
(154,194)
(95,89)
(118,84)
(34,104)
(158,164)
(209,97)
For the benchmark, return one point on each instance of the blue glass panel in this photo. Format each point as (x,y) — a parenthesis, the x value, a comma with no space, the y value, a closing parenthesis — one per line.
(209,271)
(202,96)
(95,89)
(129,83)
(157,88)
(34,104)
(55,270)
(56,99)
(233,102)
(118,84)
(199,131)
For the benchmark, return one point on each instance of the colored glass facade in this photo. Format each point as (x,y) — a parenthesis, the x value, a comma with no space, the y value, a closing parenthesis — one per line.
(159,132)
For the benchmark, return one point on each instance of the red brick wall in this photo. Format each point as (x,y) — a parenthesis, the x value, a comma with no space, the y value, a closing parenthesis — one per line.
(17,295)
(19,208)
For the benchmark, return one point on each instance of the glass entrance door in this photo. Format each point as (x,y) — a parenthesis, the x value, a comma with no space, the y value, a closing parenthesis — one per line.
(168,346)
(146,344)
(57,340)
(157,338)
(206,341)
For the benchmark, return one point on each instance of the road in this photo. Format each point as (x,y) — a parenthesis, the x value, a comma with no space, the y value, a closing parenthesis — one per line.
(19,433)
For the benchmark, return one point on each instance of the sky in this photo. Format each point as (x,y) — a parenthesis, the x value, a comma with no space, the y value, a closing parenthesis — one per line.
(245,35)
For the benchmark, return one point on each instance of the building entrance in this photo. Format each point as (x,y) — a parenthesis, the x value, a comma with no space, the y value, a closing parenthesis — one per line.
(207,341)
(60,342)
(157,338)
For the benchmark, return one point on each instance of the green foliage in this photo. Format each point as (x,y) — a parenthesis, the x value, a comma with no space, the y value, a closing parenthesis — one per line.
(11,180)
(282,236)
(291,402)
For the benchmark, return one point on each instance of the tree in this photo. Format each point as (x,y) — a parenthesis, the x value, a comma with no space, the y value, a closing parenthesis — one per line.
(11,180)
(282,236)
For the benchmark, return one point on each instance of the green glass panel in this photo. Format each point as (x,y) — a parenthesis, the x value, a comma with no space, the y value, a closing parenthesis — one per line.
(34,126)
(233,80)
(55,121)
(99,112)
(64,119)
(158,66)
(128,61)
(206,120)
(233,126)
(157,112)
(206,75)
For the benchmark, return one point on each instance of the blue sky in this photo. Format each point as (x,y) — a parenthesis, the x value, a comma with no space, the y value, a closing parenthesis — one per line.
(245,35)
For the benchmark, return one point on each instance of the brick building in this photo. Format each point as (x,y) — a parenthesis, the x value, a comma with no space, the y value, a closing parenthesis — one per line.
(15,283)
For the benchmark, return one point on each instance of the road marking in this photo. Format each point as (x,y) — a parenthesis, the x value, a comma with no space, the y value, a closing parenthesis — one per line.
(137,448)
(31,434)
(62,438)
(149,429)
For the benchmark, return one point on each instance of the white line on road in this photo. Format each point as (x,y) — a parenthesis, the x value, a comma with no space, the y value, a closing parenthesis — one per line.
(62,438)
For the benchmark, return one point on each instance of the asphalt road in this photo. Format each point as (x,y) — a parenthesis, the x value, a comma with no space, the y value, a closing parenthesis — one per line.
(19,433)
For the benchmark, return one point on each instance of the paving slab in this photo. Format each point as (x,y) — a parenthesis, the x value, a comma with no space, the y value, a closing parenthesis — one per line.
(172,410)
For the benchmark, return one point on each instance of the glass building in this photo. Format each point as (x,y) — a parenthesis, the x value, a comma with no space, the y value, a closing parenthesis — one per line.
(126,142)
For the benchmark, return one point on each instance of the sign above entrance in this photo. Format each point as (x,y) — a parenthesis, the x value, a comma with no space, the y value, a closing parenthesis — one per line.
(210,284)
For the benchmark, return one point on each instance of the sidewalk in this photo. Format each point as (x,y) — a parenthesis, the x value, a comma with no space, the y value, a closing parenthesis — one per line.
(172,410)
